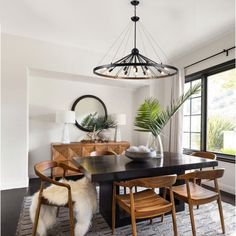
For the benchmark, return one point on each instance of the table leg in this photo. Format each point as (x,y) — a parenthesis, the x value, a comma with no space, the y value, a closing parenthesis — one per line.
(105,201)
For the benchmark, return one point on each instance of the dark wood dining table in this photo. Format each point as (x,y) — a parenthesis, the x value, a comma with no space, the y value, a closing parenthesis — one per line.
(106,169)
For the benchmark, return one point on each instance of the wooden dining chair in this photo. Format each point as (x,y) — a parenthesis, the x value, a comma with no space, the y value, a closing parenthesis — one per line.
(40,168)
(193,194)
(102,153)
(147,203)
(207,155)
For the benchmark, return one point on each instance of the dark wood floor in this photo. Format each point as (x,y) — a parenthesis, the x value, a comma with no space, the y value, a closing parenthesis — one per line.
(11,202)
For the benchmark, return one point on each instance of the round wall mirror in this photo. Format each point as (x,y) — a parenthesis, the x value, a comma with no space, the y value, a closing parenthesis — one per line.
(87,108)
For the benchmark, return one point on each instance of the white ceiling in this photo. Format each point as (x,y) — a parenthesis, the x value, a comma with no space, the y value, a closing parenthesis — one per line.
(178,26)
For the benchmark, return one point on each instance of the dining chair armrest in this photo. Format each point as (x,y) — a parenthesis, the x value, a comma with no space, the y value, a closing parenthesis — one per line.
(156,182)
(150,182)
(52,181)
(188,176)
(203,174)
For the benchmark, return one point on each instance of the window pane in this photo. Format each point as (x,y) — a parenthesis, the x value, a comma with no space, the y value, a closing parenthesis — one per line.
(186,124)
(186,87)
(221,121)
(196,123)
(193,83)
(195,141)
(196,106)
(186,140)
(192,118)
(187,107)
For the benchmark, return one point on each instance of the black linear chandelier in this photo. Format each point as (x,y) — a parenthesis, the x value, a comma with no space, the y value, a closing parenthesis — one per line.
(135,65)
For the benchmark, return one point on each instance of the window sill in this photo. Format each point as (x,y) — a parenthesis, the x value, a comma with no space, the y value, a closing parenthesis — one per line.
(225,158)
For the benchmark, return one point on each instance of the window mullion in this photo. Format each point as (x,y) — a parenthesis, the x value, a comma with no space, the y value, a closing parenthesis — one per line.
(204,114)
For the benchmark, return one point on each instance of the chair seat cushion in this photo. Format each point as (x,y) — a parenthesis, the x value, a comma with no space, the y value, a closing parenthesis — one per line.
(59,195)
(146,202)
(197,192)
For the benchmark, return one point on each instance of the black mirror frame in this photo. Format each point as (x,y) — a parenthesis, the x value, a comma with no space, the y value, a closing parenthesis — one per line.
(77,101)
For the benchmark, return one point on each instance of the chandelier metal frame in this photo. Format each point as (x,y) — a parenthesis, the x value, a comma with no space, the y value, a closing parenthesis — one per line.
(135,65)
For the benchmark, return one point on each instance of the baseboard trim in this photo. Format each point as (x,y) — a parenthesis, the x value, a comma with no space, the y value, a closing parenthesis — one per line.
(222,191)
(224,187)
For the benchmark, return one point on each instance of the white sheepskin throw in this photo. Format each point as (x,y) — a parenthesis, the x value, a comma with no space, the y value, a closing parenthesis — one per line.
(85,204)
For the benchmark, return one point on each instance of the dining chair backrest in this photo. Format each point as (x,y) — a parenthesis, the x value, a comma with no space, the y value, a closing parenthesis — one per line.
(208,155)
(102,153)
(43,166)
(205,174)
(152,182)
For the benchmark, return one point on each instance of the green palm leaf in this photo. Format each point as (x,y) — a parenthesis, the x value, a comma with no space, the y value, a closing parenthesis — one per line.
(152,118)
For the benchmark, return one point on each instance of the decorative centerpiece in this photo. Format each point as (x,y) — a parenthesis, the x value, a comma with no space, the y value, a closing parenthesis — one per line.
(152,118)
(98,125)
(140,153)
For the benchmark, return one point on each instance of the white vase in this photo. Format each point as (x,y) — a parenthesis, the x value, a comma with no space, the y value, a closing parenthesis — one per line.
(155,143)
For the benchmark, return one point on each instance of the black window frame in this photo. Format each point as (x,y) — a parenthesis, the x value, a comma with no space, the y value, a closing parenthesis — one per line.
(203,76)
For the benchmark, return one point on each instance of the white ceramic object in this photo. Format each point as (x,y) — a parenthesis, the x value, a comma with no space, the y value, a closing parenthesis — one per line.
(140,156)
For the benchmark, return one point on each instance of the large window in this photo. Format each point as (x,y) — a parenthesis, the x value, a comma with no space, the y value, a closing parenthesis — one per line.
(210,117)
(192,119)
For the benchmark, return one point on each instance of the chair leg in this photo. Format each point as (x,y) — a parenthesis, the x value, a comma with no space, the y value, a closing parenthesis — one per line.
(72,228)
(36,218)
(174,222)
(162,217)
(221,215)
(199,182)
(192,219)
(173,212)
(164,196)
(58,210)
(133,222)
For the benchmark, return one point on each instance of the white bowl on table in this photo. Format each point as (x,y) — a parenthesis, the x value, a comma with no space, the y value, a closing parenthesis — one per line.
(140,153)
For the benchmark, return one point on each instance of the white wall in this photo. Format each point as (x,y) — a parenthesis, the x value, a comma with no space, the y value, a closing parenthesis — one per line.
(19,55)
(227,41)
(48,95)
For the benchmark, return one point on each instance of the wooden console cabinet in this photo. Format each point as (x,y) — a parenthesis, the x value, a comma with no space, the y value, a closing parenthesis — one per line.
(65,152)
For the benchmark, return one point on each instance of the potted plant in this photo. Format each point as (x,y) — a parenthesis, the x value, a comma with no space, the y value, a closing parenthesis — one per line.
(152,118)
(97,124)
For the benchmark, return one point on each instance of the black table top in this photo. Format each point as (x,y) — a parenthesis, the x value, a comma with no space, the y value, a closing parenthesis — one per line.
(116,168)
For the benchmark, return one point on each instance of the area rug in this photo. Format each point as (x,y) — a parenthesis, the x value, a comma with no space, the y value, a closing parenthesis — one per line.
(206,219)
